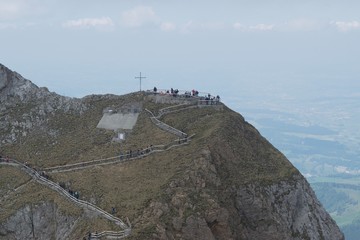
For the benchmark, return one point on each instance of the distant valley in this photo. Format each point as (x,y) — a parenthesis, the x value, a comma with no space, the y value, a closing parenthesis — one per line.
(320,137)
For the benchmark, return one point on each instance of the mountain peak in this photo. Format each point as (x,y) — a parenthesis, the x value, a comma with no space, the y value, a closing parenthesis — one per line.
(23,101)
(225,182)
(12,84)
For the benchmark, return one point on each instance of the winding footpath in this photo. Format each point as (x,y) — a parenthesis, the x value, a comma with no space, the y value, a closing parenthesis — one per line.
(184,140)
(125,228)
(118,159)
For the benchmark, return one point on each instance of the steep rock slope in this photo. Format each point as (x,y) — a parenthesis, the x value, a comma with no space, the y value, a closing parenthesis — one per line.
(24,106)
(43,220)
(227,183)
(237,186)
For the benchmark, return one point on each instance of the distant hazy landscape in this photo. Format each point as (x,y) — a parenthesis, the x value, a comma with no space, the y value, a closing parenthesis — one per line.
(318,130)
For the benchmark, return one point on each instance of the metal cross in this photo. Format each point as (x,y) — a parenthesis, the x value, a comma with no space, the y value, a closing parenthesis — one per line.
(140,80)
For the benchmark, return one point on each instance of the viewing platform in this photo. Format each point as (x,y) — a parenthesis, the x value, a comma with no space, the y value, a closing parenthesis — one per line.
(182,97)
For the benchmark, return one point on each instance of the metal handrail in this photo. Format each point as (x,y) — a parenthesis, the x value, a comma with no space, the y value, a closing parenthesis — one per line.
(127,229)
(164,126)
(35,175)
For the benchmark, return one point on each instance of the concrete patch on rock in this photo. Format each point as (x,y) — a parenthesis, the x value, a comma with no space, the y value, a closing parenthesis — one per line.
(115,121)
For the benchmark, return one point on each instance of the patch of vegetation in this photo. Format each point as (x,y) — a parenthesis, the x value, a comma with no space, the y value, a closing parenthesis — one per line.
(145,233)
(128,187)
(11,178)
(244,155)
(33,193)
(71,138)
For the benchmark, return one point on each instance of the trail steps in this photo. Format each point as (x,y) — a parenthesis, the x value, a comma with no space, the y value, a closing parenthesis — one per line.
(126,229)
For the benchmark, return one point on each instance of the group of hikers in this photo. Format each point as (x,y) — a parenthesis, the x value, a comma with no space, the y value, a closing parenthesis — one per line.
(183,140)
(205,100)
(209,100)
(89,236)
(73,193)
(139,152)
(173,92)
(5,159)
(44,175)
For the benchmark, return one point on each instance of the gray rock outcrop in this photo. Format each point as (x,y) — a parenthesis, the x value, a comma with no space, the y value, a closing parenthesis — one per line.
(24,106)
(41,221)
(287,209)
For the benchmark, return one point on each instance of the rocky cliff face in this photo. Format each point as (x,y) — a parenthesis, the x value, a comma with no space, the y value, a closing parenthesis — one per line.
(287,209)
(40,221)
(228,183)
(24,106)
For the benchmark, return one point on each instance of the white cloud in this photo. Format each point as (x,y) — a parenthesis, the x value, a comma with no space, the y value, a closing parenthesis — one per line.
(343,169)
(262,27)
(257,27)
(239,26)
(7,26)
(186,28)
(196,26)
(168,26)
(99,23)
(9,9)
(302,24)
(346,26)
(15,9)
(213,26)
(139,16)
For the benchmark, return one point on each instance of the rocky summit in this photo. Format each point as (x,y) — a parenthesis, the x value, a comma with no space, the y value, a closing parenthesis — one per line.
(184,167)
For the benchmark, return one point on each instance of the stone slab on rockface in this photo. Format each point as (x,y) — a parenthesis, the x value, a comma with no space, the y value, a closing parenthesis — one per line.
(114,121)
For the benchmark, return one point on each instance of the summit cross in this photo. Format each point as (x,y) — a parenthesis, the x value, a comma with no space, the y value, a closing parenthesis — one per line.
(140,80)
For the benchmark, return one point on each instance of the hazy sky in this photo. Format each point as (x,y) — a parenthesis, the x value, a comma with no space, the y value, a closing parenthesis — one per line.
(244,47)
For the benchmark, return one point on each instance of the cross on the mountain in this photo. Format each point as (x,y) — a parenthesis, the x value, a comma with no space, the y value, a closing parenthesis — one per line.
(140,80)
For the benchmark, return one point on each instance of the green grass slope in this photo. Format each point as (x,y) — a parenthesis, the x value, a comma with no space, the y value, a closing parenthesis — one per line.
(240,153)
